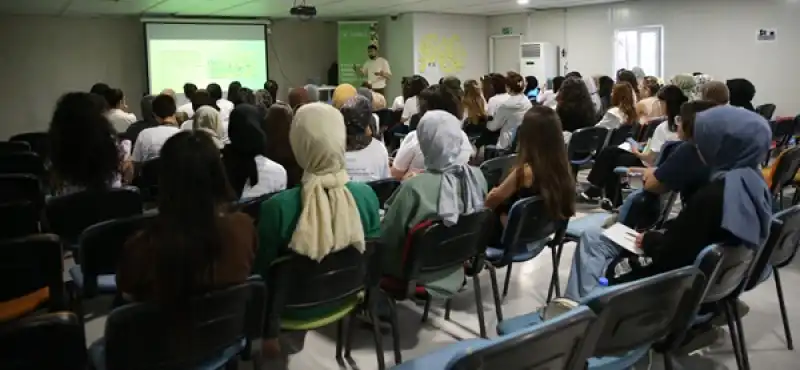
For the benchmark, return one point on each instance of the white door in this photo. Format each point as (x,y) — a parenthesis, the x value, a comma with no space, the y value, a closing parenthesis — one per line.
(504,53)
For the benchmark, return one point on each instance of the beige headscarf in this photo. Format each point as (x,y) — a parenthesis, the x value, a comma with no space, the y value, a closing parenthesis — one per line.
(329,220)
(208,119)
(342,94)
(378,101)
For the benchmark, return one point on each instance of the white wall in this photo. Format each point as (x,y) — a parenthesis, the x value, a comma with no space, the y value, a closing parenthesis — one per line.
(44,57)
(713,36)
(463,37)
(397,46)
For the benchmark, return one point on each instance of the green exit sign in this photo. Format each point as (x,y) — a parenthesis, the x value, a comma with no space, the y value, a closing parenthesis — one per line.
(507,30)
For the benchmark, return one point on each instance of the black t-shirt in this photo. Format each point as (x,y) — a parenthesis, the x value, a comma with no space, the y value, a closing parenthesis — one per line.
(683,171)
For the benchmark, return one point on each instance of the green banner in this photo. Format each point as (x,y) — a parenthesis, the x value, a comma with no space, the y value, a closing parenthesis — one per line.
(354,37)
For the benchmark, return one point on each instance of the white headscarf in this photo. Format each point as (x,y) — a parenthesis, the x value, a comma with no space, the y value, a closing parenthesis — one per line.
(208,119)
(592,87)
(329,220)
(699,82)
(440,140)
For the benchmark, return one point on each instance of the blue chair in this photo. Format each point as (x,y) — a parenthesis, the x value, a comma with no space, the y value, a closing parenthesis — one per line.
(631,317)
(557,344)
(214,331)
(526,234)
(46,341)
(583,145)
(496,169)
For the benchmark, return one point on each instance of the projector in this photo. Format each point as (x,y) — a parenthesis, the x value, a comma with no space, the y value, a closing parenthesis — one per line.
(303,11)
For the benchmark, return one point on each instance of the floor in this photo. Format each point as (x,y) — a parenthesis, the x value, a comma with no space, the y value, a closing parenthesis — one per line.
(528,290)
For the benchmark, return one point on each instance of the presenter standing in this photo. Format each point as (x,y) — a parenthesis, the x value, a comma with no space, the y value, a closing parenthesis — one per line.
(375,69)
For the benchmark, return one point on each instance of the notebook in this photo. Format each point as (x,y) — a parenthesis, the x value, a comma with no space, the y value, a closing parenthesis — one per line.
(623,236)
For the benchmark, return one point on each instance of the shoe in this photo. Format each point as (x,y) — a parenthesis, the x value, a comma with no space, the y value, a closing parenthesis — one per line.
(606,204)
(721,320)
(585,198)
(699,338)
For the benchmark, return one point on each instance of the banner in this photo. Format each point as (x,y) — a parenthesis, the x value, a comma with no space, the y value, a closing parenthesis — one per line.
(354,37)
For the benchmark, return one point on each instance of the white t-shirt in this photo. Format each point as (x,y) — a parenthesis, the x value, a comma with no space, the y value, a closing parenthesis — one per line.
(187,108)
(149,142)
(547,98)
(661,136)
(271,178)
(494,103)
(409,156)
(398,103)
(368,164)
(372,66)
(410,108)
(225,108)
(613,119)
(120,119)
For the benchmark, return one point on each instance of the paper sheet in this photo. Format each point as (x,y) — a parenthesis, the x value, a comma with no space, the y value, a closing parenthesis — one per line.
(624,237)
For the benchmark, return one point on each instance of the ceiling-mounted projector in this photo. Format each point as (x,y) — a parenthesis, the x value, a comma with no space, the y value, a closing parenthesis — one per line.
(303,11)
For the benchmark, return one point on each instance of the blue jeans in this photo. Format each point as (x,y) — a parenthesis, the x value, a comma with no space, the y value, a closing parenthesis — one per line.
(591,259)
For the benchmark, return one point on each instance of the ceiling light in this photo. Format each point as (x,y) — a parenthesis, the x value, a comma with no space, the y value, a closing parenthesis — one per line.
(522,2)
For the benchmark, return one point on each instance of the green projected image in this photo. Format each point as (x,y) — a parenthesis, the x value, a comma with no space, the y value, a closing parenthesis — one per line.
(176,62)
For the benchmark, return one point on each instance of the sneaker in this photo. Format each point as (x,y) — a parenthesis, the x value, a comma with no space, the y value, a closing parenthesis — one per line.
(606,204)
(586,198)
(721,320)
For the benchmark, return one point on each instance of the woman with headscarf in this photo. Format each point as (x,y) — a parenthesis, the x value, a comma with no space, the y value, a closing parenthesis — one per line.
(342,94)
(263,101)
(367,95)
(313,93)
(700,82)
(298,97)
(742,93)
(378,101)
(208,119)
(276,127)
(325,214)
(686,83)
(734,208)
(249,172)
(447,189)
(367,157)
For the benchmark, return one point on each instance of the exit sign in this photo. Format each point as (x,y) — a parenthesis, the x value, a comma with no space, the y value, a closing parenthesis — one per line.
(507,30)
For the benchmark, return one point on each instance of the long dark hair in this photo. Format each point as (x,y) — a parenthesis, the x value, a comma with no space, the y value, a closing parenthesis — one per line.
(629,77)
(440,97)
(193,192)
(276,127)
(541,147)
(530,83)
(82,142)
(622,98)
(416,85)
(247,142)
(233,92)
(574,100)
(673,97)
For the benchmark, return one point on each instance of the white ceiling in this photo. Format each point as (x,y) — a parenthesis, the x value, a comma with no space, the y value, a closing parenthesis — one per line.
(275,8)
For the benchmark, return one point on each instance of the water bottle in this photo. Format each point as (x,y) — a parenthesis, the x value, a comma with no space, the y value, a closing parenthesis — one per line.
(603,281)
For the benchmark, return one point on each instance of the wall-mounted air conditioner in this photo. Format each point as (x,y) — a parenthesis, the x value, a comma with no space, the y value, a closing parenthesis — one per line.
(539,59)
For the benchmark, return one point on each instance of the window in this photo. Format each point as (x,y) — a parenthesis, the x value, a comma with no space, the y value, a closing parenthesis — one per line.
(641,46)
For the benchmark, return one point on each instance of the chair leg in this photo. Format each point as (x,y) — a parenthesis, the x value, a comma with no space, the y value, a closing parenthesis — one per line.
(479,305)
(555,285)
(398,356)
(447,307)
(351,329)
(498,302)
(740,331)
(376,335)
(339,337)
(667,361)
(427,308)
(786,329)
(733,334)
(508,280)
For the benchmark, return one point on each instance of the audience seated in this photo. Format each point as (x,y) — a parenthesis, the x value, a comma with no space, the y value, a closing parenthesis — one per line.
(225,106)
(150,140)
(272,87)
(188,91)
(399,102)
(715,91)
(605,85)
(410,158)
(625,75)
(209,120)
(742,93)
(366,157)
(448,188)
(195,244)
(250,173)
(649,107)
(100,89)
(475,116)
(117,106)
(494,90)
(733,207)
(298,97)
(367,94)
(411,105)
(591,86)
(510,109)
(233,92)
(548,96)
(686,83)
(543,169)
(575,107)
(313,92)
(531,88)
(245,96)
(622,111)
(84,152)
(263,100)
(276,127)
(326,213)
(148,120)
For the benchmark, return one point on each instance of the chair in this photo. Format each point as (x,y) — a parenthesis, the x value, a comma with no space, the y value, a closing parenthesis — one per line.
(384,189)
(492,151)
(583,144)
(556,344)
(339,280)
(101,246)
(528,224)
(782,133)
(431,248)
(68,215)
(28,265)
(11,147)
(147,179)
(39,143)
(779,251)
(646,132)
(766,111)
(252,206)
(496,169)
(618,135)
(208,334)
(18,219)
(21,187)
(48,341)
(22,163)
(784,174)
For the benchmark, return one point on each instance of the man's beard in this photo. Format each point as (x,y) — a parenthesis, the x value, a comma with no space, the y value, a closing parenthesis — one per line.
(373,57)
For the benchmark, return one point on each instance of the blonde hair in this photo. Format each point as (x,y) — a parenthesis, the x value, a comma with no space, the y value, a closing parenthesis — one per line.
(378,101)
(473,102)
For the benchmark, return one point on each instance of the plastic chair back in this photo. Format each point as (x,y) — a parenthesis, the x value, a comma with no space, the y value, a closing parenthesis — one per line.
(495,170)
(48,341)
(18,219)
(21,187)
(733,270)
(142,336)
(650,128)
(528,222)
(22,163)
(641,312)
(252,206)
(618,135)
(147,179)
(386,118)
(10,147)
(29,264)
(39,142)
(766,111)
(785,170)
(303,282)
(68,215)
(782,130)
(556,344)
(102,246)
(788,240)
(384,189)
(584,143)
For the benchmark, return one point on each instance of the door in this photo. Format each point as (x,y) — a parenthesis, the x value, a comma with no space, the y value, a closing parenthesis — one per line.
(504,53)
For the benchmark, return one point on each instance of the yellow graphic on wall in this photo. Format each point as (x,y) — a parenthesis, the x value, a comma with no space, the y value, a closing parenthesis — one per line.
(446,53)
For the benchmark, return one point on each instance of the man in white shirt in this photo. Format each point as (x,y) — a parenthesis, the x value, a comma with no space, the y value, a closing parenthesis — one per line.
(376,70)
(225,106)
(149,143)
(188,91)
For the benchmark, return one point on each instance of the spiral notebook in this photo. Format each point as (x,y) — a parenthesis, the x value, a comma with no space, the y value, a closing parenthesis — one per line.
(623,236)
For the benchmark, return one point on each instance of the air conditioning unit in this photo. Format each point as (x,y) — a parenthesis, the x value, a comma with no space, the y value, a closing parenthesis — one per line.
(539,59)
